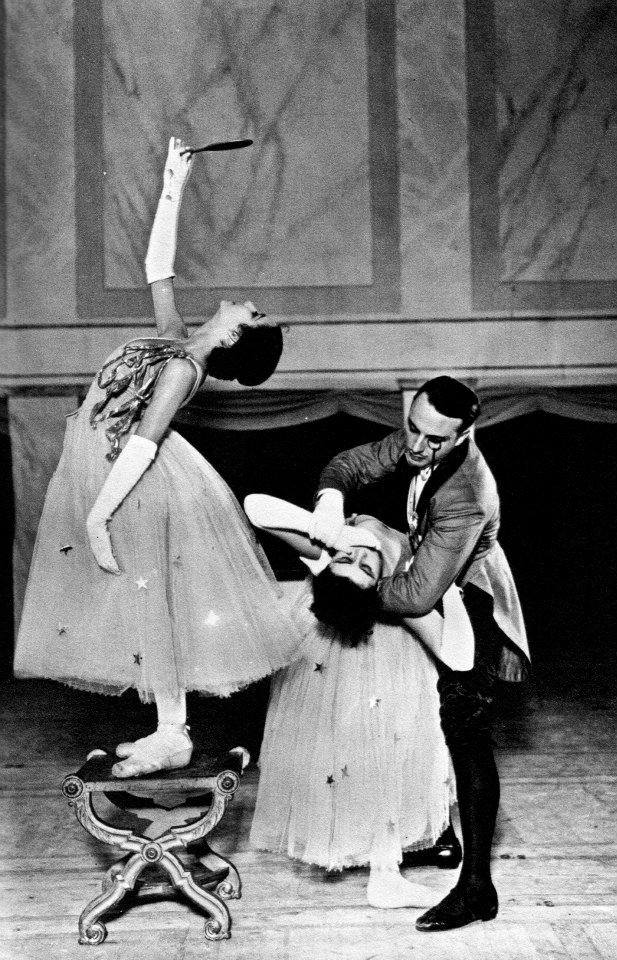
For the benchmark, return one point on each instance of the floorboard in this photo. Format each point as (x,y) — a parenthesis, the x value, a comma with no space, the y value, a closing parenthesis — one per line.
(555,855)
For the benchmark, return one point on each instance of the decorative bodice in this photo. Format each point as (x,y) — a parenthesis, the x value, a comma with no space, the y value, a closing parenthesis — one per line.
(128,380)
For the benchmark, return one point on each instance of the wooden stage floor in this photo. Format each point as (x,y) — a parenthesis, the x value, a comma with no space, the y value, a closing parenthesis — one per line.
(555,857)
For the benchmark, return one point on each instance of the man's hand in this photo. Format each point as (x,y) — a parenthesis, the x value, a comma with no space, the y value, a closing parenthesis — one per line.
(350,537)
(177,168)
(100,542)
(328,518)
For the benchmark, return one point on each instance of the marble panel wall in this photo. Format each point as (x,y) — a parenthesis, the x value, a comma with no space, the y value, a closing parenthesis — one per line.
(39,164)
(543,93)
(433,159)
(305,220)
(293,210)
(2,161)
(558,137)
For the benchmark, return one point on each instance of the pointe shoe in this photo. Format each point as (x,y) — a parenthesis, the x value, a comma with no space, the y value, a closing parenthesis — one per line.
(128,747)
(169,748)
(388,890)
(458,909)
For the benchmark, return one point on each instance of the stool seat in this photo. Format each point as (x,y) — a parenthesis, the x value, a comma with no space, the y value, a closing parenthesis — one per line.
(199,776)
(209,780)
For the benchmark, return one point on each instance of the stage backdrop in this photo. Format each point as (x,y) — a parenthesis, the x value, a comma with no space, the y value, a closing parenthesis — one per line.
(432,187)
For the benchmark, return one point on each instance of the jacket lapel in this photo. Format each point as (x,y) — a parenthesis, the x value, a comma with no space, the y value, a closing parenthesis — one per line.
(441,475)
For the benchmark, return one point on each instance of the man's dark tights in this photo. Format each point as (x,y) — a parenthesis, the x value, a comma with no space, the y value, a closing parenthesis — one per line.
(477,784)
(466,718)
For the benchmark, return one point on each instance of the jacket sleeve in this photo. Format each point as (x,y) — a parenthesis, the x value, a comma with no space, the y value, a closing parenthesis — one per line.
(364,464)
(444,551)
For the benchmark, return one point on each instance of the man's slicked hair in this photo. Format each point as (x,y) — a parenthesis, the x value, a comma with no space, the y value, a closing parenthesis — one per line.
(453,399)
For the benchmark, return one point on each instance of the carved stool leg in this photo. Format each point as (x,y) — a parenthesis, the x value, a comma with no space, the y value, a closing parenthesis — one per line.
(231,887)
(114,871)
(218,927)
(91,929)
(122,877)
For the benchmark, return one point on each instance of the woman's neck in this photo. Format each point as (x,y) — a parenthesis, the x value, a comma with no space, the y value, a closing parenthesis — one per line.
(198,344)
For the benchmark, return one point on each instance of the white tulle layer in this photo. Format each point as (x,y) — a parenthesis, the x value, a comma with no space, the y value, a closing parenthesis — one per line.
(354,767)
(196,606)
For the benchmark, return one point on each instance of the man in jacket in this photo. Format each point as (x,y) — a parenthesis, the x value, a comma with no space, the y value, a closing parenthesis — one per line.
(452,513)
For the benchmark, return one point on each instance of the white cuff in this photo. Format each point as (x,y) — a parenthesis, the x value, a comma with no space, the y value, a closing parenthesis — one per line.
(331,498)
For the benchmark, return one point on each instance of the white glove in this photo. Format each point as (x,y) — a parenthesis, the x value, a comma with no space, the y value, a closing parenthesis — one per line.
(328,518)
(161,253)
(130,466)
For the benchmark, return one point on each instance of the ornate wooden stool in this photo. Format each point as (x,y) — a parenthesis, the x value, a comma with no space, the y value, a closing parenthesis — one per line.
(215,781)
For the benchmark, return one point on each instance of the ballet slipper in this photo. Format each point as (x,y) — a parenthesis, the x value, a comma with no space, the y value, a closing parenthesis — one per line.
(169,748)
(128,747)
(388,890)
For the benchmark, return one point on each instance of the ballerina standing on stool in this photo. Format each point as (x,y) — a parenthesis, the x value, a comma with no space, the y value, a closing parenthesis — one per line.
(145,572)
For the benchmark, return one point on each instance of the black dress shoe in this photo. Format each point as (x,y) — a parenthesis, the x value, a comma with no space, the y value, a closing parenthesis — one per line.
(446,854)
(459,908)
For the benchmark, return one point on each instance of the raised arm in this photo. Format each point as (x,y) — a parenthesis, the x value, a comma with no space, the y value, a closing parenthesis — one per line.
(159,263)
(284,520)
(291,523)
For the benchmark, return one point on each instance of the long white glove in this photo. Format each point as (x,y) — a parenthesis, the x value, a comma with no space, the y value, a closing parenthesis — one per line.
(328,518)
(130,466)
(272,513)
(161,253)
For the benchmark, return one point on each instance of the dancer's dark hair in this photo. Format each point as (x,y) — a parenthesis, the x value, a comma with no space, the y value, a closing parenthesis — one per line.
(251,360)
(343,605)
(452,398)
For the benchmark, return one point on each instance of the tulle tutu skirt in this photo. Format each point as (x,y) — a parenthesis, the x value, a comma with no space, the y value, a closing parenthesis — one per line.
(354,767)
(195,607)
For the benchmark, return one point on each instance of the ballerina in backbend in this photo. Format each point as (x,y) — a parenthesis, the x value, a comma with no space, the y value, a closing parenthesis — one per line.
(354,766)
(145,572)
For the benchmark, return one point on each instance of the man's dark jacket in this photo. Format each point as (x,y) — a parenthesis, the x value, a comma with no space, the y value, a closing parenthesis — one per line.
(455,542)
